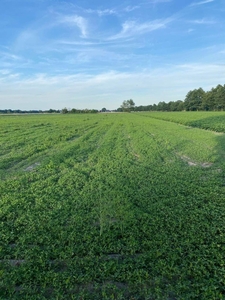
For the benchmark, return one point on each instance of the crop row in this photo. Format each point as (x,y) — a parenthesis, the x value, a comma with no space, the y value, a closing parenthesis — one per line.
(120,206)
(214,121)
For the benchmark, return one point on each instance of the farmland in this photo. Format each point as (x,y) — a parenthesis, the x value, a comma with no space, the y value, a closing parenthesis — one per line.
(205,120)
(112,206)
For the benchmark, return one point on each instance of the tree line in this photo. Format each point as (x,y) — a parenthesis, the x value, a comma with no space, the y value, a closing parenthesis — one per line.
(78,111)
(33,111)
(195,100)
(49,111)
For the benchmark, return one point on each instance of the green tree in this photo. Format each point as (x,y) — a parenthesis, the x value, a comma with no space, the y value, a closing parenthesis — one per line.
(209,100)
(194,99)
(128,105)
(219,96)
(162,106)
(64,110)
(176,105)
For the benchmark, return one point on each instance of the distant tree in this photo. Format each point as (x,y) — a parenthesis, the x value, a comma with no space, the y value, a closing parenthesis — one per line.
(176,105)
(64,110)
(73,111)
(208,102)
(180,105)
(127,105)
(219,96)
(103,109)
(163,106)
(194,99)
(154,107)
(140,108)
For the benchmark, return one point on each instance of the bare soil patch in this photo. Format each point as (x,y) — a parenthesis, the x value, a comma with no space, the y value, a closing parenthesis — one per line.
(206,164)
(193,163)
(31,167)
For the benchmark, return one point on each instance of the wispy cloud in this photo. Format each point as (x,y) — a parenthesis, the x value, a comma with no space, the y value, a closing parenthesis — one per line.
(75,20)
(201,2)
(28,37)
(108,89)
(56,48)
(7,76)
(40,35)
(160,1)
(132,28)
(131,8)
(102,12)
(5,72)
(77,43)
(202,22)
(9,56)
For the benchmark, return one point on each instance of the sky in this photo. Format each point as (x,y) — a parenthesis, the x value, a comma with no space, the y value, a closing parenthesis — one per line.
(94,53)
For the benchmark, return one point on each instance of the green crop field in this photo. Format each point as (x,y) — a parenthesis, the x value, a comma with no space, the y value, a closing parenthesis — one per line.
(214,121)
(112,206)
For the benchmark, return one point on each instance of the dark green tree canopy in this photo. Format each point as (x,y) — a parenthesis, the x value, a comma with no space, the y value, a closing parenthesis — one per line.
(64,110)
(194,99)
(127,105)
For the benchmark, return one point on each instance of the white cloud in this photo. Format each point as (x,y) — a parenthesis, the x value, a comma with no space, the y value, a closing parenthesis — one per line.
(9,56)
(202,22)
(131,8)
(39,37)
(108,89)
(76,20)
(27,37)
(76,43)
(190,30)
(201,2)
(160,1)
(106,12)
(5,72)
(102,12)
(132,28)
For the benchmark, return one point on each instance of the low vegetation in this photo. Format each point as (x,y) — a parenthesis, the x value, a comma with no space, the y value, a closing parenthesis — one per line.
(112,206)
(214,121)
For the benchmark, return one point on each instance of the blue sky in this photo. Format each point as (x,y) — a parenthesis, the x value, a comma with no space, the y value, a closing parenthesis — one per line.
(94,54)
